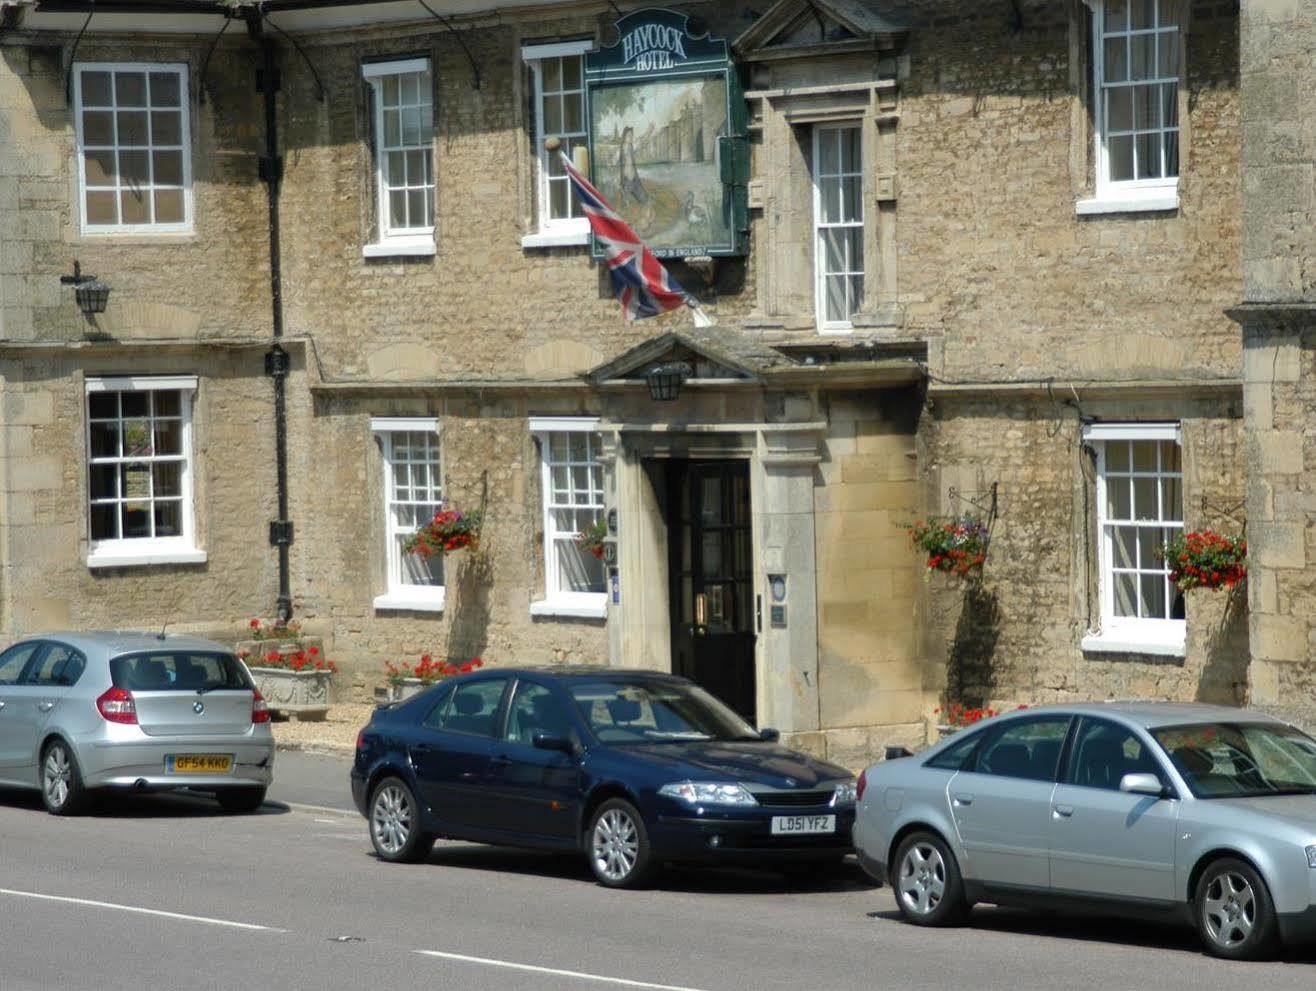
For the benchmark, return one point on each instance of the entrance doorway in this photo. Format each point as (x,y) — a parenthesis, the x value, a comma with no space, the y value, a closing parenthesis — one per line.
(712,589)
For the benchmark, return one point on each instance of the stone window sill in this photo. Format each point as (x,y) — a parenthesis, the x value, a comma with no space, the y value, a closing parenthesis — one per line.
(134,557)
(399,249)
(580,606)
(1161,203)
(431,600)
(556,239)
(1128,643)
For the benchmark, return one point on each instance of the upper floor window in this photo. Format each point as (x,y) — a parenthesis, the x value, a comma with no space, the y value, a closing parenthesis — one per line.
(139,471)
(1136,86)
(413,493)
(838,211)
(403,113)
(572,484)
(134,166)
(557,73)
(1139,510)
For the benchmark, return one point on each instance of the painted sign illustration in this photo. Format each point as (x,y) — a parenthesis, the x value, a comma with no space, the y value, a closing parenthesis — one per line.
(664,110)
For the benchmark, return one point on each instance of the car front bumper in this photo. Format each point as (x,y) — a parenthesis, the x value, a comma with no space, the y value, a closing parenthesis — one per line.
(698,836)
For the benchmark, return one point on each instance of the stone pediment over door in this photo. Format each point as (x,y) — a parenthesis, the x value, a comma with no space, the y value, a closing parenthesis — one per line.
(803,28)
(729,356)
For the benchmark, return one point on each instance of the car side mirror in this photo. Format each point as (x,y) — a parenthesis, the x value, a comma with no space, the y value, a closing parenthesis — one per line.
(547,741)
(1142,784)
(769,735)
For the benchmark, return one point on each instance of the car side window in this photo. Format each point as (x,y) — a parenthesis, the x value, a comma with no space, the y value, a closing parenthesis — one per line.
(434,718)
(1104,752)
(61,666)
(535,710)
(1024,749)
(954,756)
(15,659)
(472,708)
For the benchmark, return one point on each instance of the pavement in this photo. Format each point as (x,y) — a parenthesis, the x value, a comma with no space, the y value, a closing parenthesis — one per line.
(165,891)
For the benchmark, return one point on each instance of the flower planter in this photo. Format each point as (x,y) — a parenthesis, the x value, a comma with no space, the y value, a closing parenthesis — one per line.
(304,694)
(402,690)
(944,730)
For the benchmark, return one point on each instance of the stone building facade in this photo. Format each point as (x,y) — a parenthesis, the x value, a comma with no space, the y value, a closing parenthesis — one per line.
(1012,316)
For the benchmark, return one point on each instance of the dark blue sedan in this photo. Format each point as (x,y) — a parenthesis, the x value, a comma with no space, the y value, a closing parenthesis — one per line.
(634,768)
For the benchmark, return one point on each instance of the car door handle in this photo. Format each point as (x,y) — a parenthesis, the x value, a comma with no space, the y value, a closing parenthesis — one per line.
(468,776)
(963,799)
(1063,811)
(45,706)
(500,760)
(2,705)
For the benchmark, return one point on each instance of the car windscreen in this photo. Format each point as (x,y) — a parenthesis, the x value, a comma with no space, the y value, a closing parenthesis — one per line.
(178,671)
(1241,760)
(621,712)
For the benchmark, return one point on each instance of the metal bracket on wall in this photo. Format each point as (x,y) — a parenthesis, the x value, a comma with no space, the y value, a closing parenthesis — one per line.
(73,53)
(205,62)
(983,502)
(447,23)
(280,532)
(278,363)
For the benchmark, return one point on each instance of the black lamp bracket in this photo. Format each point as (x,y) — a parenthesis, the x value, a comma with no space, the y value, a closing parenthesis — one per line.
(447,23)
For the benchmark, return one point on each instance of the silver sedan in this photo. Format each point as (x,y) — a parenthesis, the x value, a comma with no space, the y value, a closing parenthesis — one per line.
(81,712)
(1161,810)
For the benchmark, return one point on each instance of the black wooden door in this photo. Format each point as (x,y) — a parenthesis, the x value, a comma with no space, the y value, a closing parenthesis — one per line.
(712,595)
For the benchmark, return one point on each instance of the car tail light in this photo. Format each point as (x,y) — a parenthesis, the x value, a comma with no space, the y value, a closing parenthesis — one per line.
(260,712)
(361,738)
(860,785)
(116,705)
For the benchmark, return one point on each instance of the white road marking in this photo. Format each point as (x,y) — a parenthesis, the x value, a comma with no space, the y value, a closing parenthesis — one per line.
(303,807)
(139,910)
(489,962)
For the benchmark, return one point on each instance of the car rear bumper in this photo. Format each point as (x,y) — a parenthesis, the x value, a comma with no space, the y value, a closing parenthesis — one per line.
(144,764)
(359,796)
(745,838)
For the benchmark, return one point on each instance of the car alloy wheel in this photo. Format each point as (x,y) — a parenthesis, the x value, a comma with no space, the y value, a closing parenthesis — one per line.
(618,845)
(395,823)
(61,784)
(927,881)
(1234,912)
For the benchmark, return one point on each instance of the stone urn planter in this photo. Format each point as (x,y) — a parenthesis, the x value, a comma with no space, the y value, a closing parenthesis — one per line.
(307,693)
(399,691)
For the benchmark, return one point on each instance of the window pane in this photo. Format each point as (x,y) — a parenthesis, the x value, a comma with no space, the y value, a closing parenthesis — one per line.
(100,168)
(1142,56)
(137,439)
(1117,14)
(168,479)
(1119,505)
(1171,499)
(828,157)
(1145,455)
(1119,108)
(1172,153)
(1123,543)
(571,71)
(134,208)
(169,518)
(1168,14)
(1148,150)
(130,89)
(164,89)
(1142,14)
(168,168)
(1167,54)
(852,207)
(409,93)
(1104,753)
(1146,107)
(1116,67)
(410,126)
(473,708)
(391,90)
(169,206)
(1145,499)
(133,128)
(578,571)
(392,128)
(104,482)
(397,208)
(97,128)
(104,440)
(835,296)
(416,208)
(1126,595)
(1153,597)
(1120,153)
(1170,105)
(96,89)
(105,522)
(135,480)
(135,168)
(1117,455)
(1025,750)
(417,570)
(552,114)
(137,519)
(559,197)
(1151,542)
(552,68)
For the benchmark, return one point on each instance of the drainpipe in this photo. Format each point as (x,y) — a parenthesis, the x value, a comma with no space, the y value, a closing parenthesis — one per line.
(277,361)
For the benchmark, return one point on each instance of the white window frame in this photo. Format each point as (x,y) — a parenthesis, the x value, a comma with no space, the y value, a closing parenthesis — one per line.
(1123,634)
(820,274)
(408,241)
(400,594)
(556,602)
(186,226)
(140,551)
(552,232)
(1131,195)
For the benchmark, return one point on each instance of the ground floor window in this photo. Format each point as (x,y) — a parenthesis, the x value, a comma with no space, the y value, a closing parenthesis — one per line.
(1139,510)
(572,486)
(412,494)
(139,471)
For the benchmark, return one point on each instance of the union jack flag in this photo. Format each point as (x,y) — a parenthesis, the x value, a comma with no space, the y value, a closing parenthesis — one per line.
(643,286)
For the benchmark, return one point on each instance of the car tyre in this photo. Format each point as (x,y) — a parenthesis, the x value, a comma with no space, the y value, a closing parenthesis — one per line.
(62,791)
(925,878)
(240,800)
(1233,911)
(617,844)
(394,818)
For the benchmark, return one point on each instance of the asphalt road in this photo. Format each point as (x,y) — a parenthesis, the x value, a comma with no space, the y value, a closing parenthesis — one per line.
(166,892)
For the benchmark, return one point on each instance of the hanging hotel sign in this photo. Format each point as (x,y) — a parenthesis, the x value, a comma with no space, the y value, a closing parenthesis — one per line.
(667,144)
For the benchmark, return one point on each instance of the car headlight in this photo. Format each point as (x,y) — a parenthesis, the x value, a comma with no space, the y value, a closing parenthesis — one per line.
(1311,857)
(708,793)
(845,793)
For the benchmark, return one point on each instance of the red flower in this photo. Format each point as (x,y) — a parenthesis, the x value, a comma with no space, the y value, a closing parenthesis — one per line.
(254,624)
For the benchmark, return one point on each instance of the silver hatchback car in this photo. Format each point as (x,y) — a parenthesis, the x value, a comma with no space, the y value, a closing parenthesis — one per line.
(1200,813)
(86,711)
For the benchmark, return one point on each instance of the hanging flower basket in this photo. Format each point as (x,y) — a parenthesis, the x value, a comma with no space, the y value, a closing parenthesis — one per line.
(953,544)
(1206,559)
(594,539)
(450,530)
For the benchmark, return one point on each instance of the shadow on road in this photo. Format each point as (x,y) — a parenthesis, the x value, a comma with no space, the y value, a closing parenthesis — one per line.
(572,867)
(1094,929)
(150,805)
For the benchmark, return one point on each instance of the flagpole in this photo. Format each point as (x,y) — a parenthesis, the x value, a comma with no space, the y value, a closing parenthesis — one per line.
(702,319)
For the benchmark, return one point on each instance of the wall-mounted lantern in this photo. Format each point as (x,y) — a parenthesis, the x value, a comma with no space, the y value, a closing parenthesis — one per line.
(665,380)
(91,293)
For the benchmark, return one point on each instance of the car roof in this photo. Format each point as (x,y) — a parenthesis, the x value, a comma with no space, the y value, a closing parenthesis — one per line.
(594,672)
(116,642)
(1151,715)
